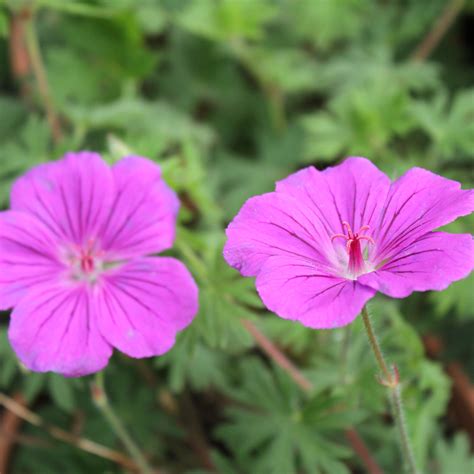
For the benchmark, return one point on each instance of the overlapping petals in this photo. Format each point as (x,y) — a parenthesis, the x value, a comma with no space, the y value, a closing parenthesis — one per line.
(72,262)
(291,240)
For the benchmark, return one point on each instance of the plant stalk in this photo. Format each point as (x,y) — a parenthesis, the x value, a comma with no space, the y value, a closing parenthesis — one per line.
(39,72)
(102,402)
(391,380)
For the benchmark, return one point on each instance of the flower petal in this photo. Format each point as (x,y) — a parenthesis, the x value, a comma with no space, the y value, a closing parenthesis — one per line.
(295,289)
(431,263)
(143,215)
(276,224)
(417,203)
(353,191)
(55,329)
(143,304)
(70,197)
(28,256)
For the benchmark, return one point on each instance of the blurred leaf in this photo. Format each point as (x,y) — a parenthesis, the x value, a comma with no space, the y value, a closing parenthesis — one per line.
(291,70)
(62,392)
(33,384)
(227,19)
(4,27)
(454,456)
(159,120)
(360,123)
(30,146)
(451,128)
(325,23)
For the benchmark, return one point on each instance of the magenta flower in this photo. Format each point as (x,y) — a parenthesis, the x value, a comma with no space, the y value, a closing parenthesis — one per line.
(325,242)
(72,262)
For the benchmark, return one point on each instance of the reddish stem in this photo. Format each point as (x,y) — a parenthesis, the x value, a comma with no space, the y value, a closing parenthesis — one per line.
(439,29)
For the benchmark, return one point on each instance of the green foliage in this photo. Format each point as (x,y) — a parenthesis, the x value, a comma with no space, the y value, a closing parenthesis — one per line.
(450,127)
(280,432)
(454,456)
(228,97)
(226,20)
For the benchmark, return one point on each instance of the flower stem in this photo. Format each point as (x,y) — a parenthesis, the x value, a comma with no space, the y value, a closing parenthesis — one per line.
(391,380)
(39,72)
(102,402)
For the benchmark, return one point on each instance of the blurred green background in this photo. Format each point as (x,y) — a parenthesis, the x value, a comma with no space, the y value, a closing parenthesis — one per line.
(229,96)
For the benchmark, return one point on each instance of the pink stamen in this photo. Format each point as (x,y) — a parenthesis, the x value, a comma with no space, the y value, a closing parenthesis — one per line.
(356,260)
(335,236)
(365,237)
(349,230)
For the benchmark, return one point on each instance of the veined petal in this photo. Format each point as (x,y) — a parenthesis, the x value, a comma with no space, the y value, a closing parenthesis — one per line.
(418,202)
(295,289)
(430,263)
(142,218)
(353,191)
(144,303)
(70,197)
(276,224)
(54,328)
(29,255)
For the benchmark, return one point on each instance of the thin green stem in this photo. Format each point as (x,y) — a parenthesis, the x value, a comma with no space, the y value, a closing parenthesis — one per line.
(39,72)
(101,400)
(376,347)
(391,380)
(193,259)
(399,415)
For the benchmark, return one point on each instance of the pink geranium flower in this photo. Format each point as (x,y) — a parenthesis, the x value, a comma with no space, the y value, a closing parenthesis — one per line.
(72,262)
(325,242)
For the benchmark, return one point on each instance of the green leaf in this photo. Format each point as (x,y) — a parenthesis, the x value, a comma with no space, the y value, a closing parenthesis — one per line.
(280,426)
(450,125)
(454,456)
(325,23)
(33,384)
(227,19)
(4,26)
(62,392)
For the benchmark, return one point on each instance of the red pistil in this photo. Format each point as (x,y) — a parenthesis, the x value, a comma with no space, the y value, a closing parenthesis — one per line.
(87,258)
(87,263)
(356,260)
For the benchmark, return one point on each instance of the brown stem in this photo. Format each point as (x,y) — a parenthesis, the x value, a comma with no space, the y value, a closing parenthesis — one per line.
(360,448)
(31,441)
(82,443)
(277,356)
(19,58)
(282,361)
(439,29)
(9,426)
